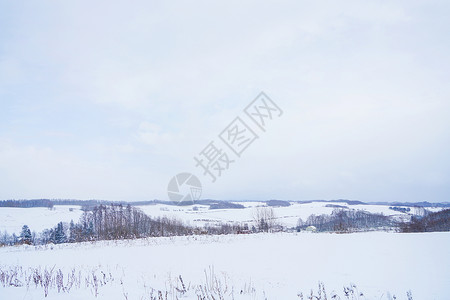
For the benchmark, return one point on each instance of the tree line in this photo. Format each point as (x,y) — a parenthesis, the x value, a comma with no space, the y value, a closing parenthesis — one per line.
(430,222)
(27,203)
(342,220)
(114,222)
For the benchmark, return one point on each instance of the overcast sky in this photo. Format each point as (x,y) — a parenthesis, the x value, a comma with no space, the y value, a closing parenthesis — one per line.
(109,101)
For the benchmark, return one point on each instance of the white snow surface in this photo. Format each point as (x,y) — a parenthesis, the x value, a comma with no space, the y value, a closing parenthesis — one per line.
(37,218)
(277,265)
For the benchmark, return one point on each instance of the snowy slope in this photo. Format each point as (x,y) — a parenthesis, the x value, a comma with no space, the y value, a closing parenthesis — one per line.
(37,218)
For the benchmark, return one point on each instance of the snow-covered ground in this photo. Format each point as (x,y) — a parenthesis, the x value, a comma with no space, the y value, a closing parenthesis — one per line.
(12,219)
(276,266)
(286,216)
(37,218)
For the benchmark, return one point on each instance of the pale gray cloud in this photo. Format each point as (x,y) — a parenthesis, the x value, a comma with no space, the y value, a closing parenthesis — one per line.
(109,100)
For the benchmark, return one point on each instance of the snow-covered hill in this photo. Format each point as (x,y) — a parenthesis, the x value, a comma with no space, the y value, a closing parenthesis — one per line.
(37,218)
(12,219)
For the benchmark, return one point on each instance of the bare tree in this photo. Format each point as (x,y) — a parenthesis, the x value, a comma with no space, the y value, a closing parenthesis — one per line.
(264,218)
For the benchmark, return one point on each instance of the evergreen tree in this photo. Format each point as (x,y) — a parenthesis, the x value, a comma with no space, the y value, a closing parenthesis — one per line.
(60,235)
(25,235)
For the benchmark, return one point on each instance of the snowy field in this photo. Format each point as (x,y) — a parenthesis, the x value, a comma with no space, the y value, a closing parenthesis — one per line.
(286,216)
(276,266)
(38,219)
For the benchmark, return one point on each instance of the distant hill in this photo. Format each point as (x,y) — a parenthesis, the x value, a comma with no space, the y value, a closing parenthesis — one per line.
(214,204)
(278,203)
(414,204)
